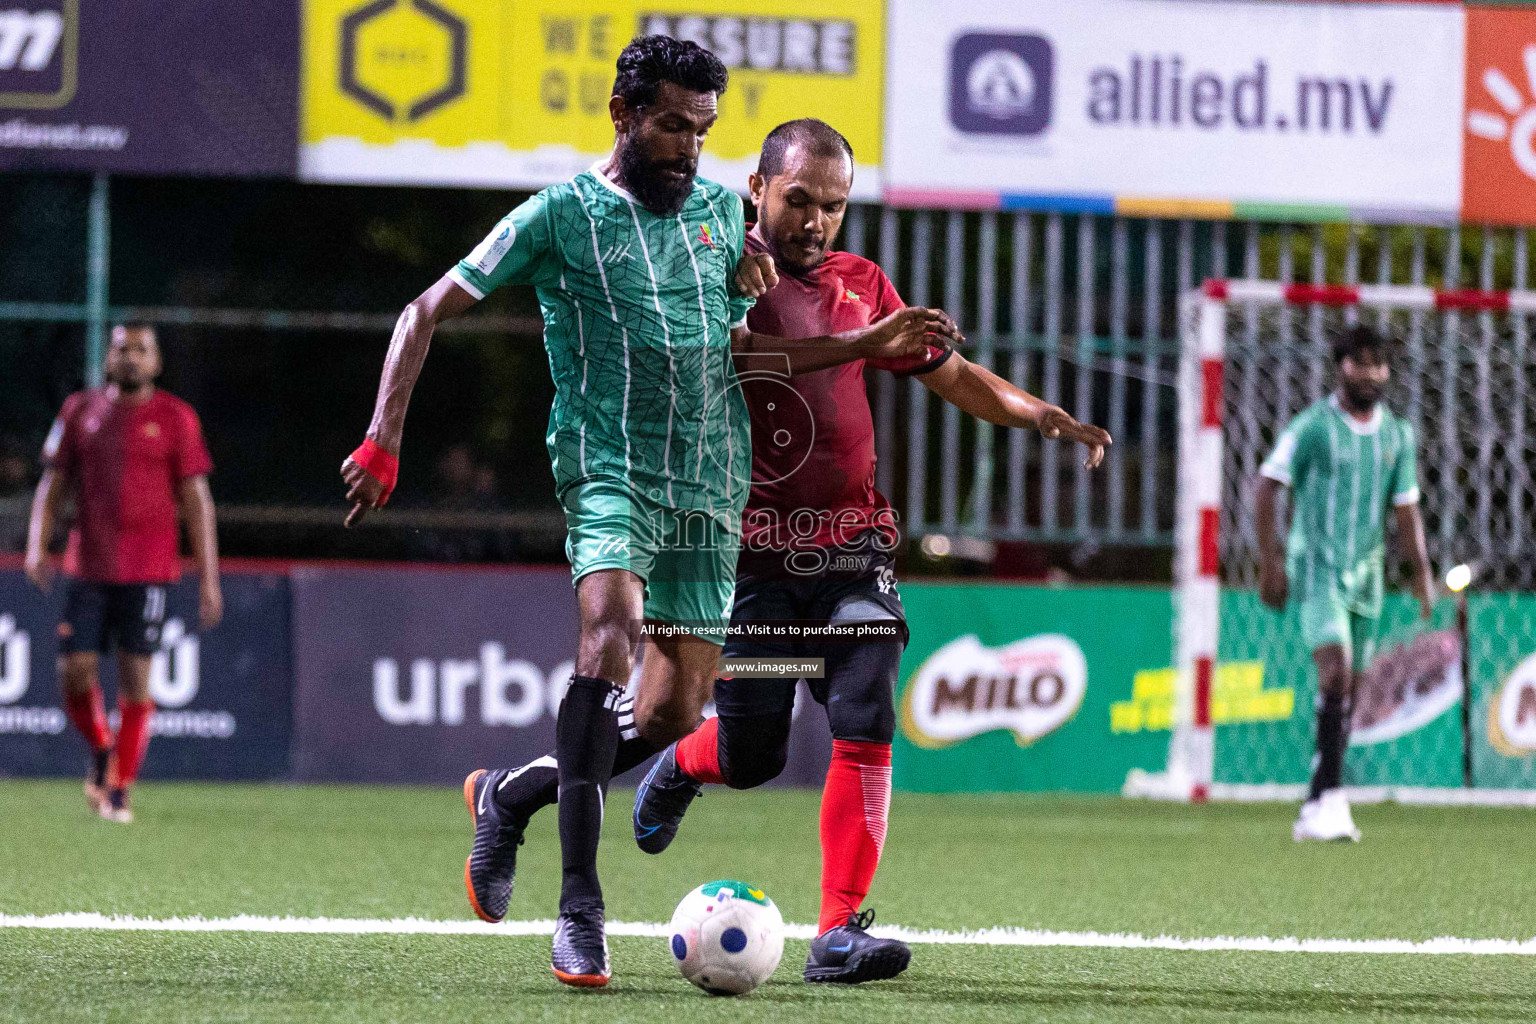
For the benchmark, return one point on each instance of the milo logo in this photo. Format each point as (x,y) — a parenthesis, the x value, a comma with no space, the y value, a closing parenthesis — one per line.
(1030,687)
(1512,713)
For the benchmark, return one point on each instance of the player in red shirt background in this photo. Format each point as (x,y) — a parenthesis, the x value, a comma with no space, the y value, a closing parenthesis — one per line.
(817,548)
(134,460)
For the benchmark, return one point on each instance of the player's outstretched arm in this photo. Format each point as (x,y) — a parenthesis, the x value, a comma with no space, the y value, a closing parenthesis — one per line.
(1410,532)
(1274,587)
(50,495)
(985,395)
(905,332)
(369,486)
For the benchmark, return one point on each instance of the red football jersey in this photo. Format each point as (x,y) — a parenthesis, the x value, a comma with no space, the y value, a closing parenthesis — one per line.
(813,438)
(125,460)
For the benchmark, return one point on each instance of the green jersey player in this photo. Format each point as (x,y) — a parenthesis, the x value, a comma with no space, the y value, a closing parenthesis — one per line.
(1346,459)
(633,263)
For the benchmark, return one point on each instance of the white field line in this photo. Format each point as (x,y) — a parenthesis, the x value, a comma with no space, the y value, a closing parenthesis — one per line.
(982,937)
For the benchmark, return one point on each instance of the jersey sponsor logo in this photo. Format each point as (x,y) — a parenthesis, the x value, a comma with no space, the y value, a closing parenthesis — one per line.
(151,430)
(618,252)
(705,237)
(486,256)
(512,691)
(403,59)
(1030,687)
(1512,713)
(39,47)
(613,546)
(1000,84)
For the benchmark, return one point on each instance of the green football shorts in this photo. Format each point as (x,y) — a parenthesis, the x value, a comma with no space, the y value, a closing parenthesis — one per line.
(686,558)
(1326,618)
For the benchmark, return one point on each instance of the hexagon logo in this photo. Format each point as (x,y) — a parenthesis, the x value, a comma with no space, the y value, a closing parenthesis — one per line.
(404,59)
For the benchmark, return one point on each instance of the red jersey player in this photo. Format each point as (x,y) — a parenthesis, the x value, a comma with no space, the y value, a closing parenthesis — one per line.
(133,457)
(817,544)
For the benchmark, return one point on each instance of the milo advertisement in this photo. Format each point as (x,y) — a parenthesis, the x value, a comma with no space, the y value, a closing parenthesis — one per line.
(1032,688)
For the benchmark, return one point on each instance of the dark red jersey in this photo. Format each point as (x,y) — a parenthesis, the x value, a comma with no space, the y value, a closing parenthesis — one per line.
(124,460)
(813,439)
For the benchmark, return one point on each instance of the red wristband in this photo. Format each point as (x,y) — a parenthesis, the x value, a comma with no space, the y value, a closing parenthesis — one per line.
(379,464)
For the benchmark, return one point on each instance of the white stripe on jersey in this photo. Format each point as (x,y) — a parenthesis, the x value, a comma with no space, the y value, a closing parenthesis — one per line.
(666,338)
(613,310)
(730,434)
(1354,500)
(698,468)
(581,350)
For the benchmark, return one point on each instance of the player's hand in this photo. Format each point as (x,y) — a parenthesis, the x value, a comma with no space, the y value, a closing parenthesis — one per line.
(756,274)
(1056,422)
(363,490)
(1274,587)
(39,569)
(210,604)
(907,332)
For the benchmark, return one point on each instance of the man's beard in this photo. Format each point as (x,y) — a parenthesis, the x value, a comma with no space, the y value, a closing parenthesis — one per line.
(127,383)
(644,180)
(799,262)
(1362,397)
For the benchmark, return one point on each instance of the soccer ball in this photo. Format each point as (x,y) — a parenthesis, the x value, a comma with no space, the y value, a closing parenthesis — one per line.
(727,937)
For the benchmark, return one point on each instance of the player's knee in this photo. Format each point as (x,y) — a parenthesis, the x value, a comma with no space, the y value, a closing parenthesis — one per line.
(607,649)
(753,750)
(865,708)
(77,672)
(667,722)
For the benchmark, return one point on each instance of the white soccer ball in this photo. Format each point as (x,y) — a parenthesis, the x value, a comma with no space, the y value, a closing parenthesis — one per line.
(727,937)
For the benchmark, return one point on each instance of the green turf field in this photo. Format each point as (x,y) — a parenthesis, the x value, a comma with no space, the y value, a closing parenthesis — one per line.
(951,862)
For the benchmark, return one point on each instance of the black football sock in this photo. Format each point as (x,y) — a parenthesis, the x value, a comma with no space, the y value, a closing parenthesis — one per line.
(586,740)
(1332,734)
(537,784)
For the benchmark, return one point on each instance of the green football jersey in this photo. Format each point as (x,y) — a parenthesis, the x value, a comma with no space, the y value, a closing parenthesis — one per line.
(638,309)
(1342,474)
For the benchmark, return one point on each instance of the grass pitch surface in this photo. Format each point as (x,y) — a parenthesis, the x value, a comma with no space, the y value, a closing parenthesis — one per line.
(951,862)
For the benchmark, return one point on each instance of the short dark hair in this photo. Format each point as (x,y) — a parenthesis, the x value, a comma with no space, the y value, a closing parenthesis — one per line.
(1357,339)
(816,136)
(650,60)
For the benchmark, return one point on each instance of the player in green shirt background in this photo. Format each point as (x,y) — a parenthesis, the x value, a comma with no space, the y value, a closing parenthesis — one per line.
(1345,459)
(633,263)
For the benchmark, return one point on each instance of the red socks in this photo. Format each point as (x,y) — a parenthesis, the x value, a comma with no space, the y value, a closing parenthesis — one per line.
(855,804)
(698,753)
(89,715)
(132,740)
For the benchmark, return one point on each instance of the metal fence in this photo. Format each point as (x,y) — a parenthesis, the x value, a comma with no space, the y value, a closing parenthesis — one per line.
(1081,310)
(1077,308)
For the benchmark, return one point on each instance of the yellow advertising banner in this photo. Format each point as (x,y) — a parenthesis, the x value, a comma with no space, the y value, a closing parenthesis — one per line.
(514,93)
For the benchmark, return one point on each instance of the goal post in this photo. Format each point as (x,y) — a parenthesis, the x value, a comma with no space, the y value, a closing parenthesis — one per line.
(1439,699)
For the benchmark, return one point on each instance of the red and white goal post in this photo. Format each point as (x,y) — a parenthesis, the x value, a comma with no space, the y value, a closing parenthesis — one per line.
(1254,353)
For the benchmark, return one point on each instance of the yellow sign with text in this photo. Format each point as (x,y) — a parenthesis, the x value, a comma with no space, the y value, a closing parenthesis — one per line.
(515,92)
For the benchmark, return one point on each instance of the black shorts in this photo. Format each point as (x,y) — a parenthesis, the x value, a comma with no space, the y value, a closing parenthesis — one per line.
(102,617)
(855,583)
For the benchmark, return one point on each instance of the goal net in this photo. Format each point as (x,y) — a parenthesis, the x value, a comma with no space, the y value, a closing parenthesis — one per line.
(1444,707)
